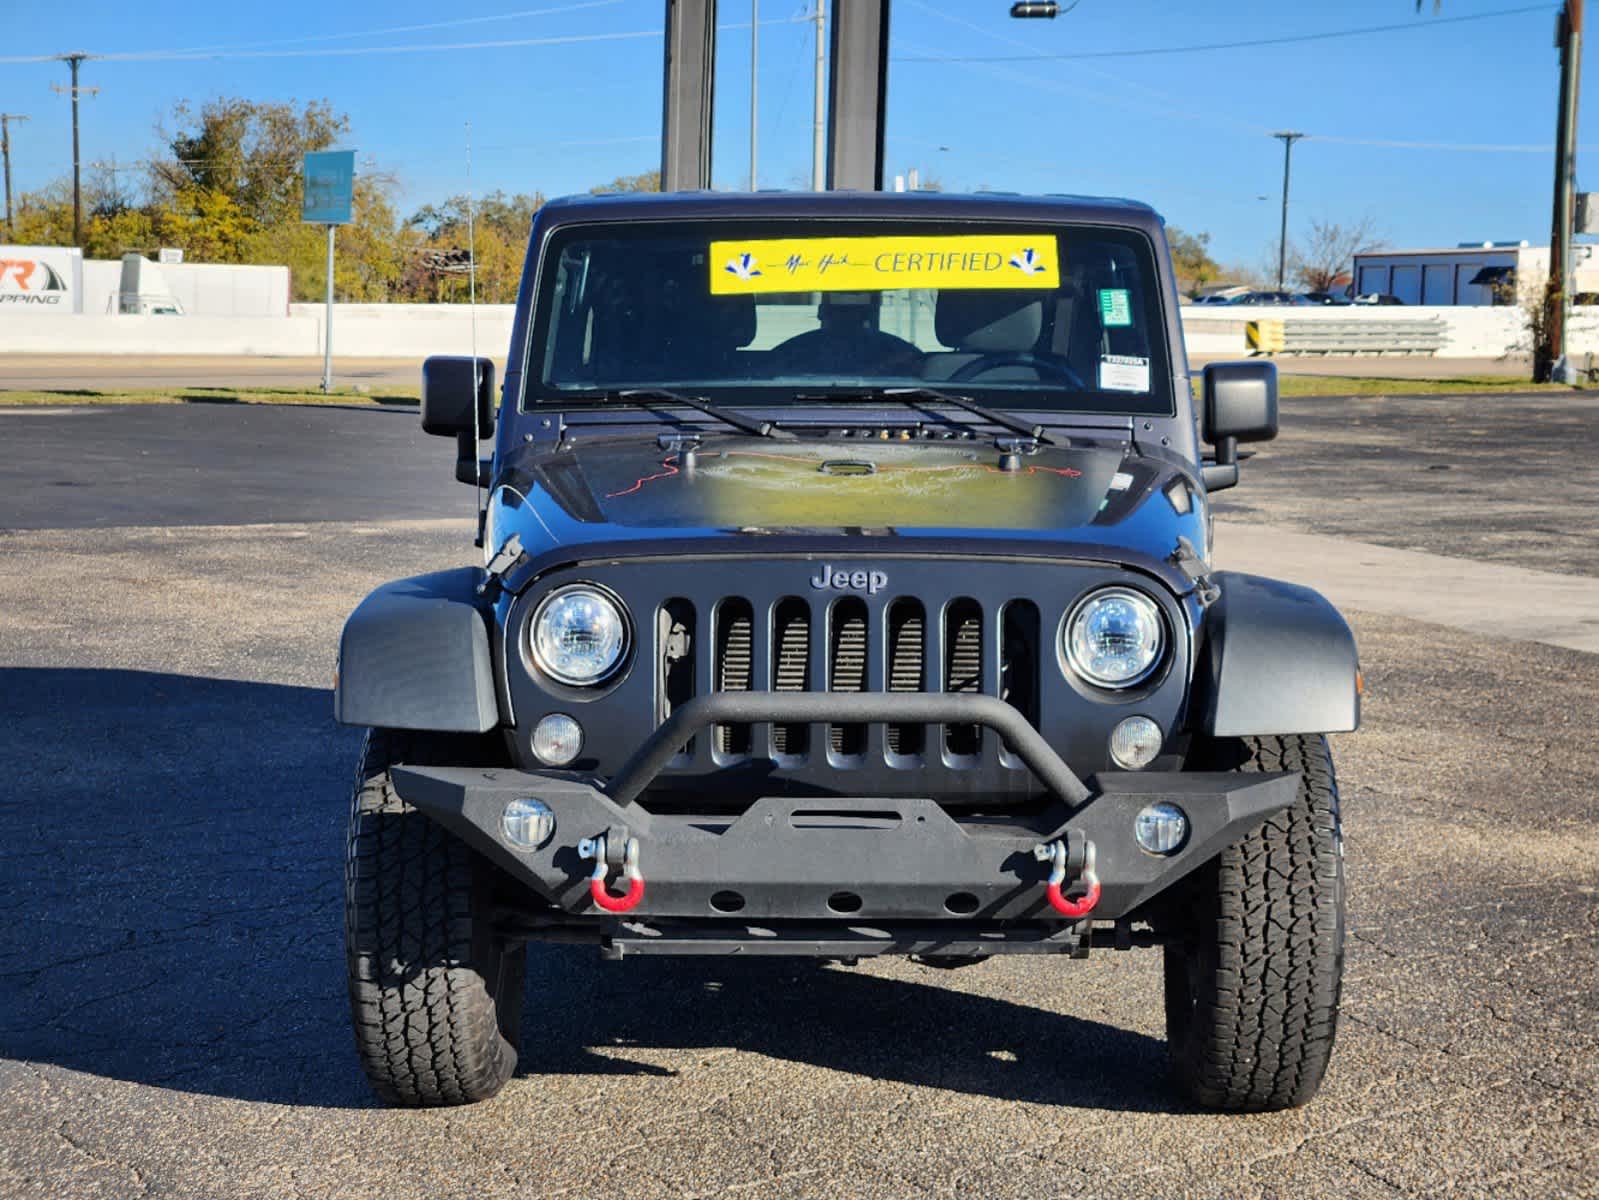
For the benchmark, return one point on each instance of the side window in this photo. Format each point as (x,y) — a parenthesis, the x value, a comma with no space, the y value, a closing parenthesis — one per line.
(569,347)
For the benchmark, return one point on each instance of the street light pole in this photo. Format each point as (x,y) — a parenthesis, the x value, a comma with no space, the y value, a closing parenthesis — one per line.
(1288,139)
(1568,37)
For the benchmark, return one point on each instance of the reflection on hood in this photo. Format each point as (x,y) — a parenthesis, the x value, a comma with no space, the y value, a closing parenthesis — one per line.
(755,483)
(1093,500)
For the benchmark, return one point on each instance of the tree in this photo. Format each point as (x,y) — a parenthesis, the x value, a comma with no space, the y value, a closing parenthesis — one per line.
(207,224)
(1190,254)
(43,217)
(250,151)
(501,224)
(1328,251)
(372,250)
(650,181)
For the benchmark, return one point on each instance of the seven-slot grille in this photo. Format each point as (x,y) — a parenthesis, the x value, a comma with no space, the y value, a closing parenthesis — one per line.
(850,644)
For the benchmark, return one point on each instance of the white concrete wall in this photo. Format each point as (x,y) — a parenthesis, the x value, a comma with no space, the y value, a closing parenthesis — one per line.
(1470,331)
(413,331)
(97,334)
(204,289)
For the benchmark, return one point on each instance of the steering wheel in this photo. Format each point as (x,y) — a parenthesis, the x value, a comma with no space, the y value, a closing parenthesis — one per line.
(1049,365)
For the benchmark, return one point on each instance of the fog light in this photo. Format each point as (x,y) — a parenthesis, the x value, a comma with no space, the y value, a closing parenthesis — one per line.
(557,740)
(1161,828)
(527,824)
(1135,742)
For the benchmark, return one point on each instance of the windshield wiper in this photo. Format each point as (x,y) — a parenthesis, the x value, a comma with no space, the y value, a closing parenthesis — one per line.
(1015,425)
(727,416)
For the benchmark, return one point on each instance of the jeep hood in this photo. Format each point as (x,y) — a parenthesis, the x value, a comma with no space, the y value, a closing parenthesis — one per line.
(626,488)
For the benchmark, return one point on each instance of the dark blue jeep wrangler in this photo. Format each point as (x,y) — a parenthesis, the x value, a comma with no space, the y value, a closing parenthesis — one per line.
(847,591)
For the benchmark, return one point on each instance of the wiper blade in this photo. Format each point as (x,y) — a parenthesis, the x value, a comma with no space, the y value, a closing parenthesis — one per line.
(1015,425)
(727,416)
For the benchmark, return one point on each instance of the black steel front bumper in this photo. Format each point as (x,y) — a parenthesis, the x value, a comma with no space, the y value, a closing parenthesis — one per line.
(791,858)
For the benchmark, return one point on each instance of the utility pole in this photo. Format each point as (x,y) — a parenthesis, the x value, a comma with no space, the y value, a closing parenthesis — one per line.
(1557,303)
(1288,139)
(819,125)
(74,61)
(5,151)
(755,88)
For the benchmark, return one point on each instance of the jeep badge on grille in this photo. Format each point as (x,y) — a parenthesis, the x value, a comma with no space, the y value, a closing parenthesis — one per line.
(870,582)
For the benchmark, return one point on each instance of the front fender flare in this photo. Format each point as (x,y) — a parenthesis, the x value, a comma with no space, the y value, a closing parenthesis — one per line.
(1274,658)
(415,655)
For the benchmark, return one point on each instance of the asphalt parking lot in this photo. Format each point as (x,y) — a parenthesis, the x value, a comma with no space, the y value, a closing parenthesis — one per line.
(172,1011)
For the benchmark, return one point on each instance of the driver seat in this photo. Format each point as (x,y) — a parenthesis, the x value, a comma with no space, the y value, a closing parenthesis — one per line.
(975,323)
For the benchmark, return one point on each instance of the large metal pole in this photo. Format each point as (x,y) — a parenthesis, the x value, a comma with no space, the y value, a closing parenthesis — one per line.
(327,323)
(689,81)
(1569,39)
(5,151)
(1288,140)
(858,96)
(77,195)
(755,89)
(819,121)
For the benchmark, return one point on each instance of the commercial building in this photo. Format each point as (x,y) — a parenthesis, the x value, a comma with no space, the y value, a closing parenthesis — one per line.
(1473,273)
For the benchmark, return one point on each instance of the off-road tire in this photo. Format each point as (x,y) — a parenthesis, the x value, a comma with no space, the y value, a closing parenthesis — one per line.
(1252,983)
(435,996)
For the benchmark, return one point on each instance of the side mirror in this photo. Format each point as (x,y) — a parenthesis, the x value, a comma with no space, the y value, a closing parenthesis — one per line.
(454,388)
(1240,405)
(448,391)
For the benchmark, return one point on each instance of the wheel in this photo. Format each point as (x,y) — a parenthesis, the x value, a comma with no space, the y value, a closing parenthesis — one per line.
(1253,977)
(435,996)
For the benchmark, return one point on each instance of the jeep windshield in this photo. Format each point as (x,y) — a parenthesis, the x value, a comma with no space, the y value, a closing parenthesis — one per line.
(1036,316)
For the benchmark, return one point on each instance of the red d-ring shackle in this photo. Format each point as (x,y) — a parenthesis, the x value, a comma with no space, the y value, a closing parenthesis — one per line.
(1079,907)
(617,904)
(597,889)
(1055,854)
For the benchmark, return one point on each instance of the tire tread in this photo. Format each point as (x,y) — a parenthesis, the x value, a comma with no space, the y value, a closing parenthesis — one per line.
(427,1023)
(1263,991)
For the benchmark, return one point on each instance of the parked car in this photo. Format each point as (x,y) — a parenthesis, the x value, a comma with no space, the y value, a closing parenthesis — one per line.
(1326,298)
(1269,298)
(806,627)
(1377,298)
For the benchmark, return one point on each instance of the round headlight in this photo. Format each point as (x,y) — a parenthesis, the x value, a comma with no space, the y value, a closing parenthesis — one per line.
(1114,637)
(578,635)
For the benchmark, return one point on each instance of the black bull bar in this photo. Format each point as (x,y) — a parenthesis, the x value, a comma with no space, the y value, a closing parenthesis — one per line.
(834,858)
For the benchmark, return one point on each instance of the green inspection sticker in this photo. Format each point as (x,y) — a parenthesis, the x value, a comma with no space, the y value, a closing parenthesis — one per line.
(1114,309)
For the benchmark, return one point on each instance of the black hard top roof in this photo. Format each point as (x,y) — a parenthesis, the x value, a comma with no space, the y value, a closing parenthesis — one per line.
(981,206)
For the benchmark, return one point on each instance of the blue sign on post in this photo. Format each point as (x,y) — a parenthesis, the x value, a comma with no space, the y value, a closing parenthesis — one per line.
(329,187)
(329,191)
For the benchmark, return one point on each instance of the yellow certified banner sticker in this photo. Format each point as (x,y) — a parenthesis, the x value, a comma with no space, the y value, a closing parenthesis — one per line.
(880,264)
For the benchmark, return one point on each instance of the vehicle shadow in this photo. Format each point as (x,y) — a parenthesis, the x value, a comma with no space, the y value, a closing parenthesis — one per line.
(171,914)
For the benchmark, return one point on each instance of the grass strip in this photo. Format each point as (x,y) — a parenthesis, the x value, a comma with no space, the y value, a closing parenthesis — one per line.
(344,397)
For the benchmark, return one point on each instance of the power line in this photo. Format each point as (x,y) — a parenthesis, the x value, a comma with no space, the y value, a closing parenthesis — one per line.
(1473,147)
(360,51)
(1183,111)
(520,14)
(1286,39)
(1180,108)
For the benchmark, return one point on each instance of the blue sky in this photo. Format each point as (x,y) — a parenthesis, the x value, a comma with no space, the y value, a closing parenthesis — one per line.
(1188,132)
